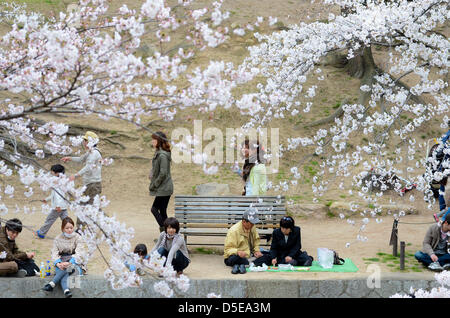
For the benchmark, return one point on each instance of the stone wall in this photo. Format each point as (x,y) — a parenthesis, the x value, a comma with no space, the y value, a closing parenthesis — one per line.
(98,287)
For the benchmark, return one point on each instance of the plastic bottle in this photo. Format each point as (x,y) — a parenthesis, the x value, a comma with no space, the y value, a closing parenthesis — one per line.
(48,269)
(42,270)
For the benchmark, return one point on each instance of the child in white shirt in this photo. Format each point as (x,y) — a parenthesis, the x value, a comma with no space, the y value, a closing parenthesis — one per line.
(58,204)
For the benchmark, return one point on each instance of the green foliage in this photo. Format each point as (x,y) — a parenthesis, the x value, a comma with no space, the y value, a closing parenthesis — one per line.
(310,170)
(393,262)
(295,198)
(206,251)
(337,105)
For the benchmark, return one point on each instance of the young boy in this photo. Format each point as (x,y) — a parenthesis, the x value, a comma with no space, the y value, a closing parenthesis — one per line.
(141,250)
(58,203)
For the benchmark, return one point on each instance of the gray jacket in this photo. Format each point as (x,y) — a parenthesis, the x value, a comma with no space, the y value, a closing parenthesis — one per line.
(92,171)
(161,184)
(431,239)
(178,245)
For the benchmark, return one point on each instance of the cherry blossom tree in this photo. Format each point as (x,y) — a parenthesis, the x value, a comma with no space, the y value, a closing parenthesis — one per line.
(414,50)
(85,62)
(437,292)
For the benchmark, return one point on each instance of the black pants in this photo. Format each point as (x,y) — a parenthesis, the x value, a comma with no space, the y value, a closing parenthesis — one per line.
(300,260)
(159,209)
(237,260)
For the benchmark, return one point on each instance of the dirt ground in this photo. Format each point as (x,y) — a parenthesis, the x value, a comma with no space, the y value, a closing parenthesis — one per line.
(132,206)
(125,183)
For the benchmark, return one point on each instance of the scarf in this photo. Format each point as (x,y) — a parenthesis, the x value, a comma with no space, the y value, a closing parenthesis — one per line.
(69,236)
(166,237)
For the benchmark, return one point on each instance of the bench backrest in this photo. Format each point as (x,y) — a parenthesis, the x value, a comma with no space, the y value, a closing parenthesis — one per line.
(225,211)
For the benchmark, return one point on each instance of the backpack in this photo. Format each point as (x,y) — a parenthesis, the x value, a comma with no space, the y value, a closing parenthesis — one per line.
(29,265)
(337,260)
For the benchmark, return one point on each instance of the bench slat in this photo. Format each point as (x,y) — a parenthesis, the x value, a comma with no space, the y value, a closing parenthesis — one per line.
(230,196)
(184,222)
(214,208)
(229,199)
(214,231)
(237,204)
(213,216)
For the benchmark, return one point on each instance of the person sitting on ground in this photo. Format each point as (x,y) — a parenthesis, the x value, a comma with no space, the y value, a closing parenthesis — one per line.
(141,250)
(241,240)
(171,244)
(14,262)
(58,204)
(286,246)
(68,256)
(435,251)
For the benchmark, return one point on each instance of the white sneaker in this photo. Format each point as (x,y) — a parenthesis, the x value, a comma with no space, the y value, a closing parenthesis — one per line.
(435,267)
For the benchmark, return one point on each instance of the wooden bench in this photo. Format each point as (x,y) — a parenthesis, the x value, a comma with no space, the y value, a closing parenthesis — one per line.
(213,216)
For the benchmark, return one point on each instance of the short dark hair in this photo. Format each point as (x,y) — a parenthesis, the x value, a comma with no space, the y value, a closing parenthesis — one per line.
(66,220)
(140,249)
(58,168)
(173,223)
(287,222)
(447,218)
(14,225)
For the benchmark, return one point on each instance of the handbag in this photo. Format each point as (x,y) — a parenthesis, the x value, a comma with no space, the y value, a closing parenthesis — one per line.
(29,266)
(337,260)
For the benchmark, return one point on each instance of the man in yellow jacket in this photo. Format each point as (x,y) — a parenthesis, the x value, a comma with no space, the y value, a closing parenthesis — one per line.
(242,240)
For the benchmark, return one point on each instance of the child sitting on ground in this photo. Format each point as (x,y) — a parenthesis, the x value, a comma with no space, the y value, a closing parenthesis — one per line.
(57,202)
(140,250)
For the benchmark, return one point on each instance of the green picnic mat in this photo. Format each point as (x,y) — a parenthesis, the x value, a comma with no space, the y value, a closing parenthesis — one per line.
(347,267)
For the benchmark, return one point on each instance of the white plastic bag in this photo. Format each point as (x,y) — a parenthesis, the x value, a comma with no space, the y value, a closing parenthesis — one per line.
(325,257)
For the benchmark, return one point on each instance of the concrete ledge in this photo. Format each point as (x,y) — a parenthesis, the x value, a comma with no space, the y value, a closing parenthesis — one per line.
(98,287)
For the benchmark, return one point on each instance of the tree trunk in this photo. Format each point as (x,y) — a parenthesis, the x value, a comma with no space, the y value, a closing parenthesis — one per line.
(363,67)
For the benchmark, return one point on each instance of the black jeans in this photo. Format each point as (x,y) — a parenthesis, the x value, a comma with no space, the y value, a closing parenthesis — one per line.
(237,260)
(300,260)
(159,209)
(179,262)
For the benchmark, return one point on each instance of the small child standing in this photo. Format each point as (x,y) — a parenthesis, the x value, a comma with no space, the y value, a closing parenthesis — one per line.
(57,202)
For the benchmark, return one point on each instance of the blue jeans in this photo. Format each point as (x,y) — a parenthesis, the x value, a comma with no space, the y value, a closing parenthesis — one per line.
(61,276)
(426,259)
(179,262)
